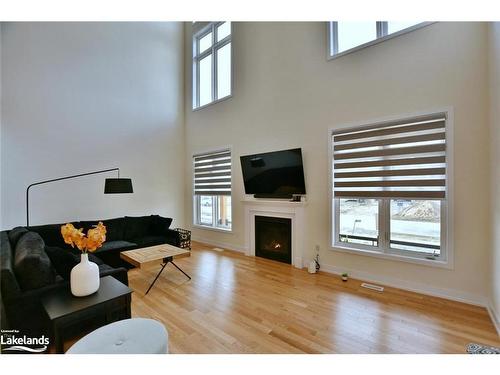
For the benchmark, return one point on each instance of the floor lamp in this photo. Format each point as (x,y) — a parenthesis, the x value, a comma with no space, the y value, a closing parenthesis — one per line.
(111,186)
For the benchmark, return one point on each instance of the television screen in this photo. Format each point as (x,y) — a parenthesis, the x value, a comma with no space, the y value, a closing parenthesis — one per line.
(278,173)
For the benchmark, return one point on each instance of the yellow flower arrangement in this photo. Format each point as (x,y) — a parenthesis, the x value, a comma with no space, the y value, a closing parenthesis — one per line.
(91,242)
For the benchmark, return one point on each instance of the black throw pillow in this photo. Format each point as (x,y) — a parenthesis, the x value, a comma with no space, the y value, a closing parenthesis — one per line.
(115,229)
(137,227)
(32,265)
(160,225)
(62,260)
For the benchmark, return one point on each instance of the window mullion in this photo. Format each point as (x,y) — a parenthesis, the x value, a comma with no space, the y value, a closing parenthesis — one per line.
(195,78)
(381,225)
(214,64)
(197,83)
(214,74)
(384,225)
(336,205)
(214,210)
(197,209)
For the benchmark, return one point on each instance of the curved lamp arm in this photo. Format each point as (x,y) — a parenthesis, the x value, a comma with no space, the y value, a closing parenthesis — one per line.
(60,179)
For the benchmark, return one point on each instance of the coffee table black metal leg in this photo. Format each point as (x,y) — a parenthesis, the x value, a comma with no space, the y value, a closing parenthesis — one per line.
(165,262)
(156,278)
(185,274)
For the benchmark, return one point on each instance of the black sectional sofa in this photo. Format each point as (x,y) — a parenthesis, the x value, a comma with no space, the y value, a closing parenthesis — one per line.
(35,260)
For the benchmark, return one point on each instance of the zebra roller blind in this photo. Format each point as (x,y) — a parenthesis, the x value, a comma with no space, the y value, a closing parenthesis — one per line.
(212,173)
(397,159)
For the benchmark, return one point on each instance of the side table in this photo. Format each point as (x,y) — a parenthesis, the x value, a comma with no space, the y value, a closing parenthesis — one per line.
(111,302)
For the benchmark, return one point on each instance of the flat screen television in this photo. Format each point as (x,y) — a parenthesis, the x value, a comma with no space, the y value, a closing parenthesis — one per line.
(278,174)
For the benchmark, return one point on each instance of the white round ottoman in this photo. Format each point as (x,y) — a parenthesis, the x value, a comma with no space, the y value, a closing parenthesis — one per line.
(129,336)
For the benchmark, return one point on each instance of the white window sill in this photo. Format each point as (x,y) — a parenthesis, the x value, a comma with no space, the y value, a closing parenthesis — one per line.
(397,257)
(213,228)
(212,103)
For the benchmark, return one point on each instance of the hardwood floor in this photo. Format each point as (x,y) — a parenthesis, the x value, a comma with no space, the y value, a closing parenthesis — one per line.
(239,304)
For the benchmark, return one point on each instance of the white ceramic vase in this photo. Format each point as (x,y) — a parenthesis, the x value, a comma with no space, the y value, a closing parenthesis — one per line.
(84,277)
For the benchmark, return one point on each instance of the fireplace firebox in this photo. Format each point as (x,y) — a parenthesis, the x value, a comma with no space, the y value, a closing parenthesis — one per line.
(273,238)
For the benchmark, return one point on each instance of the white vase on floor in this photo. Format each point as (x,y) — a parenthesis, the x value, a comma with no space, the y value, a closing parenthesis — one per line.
(84,277)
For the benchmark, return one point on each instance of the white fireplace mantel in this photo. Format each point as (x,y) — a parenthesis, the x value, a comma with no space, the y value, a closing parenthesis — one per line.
(276,208)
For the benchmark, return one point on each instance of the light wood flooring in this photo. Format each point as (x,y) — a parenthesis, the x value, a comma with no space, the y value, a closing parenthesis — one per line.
(239,304)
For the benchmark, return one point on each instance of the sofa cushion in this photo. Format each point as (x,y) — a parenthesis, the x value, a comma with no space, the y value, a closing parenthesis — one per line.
(115,229)
(137,227)
(160,225)
(51,234)
(150,241)
(62,260)
(15,234)
(8,281)
(31,263)
(114,245)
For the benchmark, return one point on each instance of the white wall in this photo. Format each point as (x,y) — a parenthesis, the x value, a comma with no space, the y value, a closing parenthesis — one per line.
(494,76)
(286,94)
(79,97)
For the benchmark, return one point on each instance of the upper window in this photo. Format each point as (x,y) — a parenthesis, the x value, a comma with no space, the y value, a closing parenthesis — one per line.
(212,190)
(211,63)
(390,188)
(345,36)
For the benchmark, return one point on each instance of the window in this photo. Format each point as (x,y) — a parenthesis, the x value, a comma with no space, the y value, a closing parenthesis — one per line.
(358,221)
(212,189)
(212,64)
(346,36)
(390,188)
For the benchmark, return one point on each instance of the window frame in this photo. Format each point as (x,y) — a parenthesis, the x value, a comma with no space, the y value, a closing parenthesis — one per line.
(382,35)
(212,50)
(383,250)
(215,206)
(196,198)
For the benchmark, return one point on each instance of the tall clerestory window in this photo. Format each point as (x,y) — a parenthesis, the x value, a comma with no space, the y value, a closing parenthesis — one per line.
(212,69)
(348,36)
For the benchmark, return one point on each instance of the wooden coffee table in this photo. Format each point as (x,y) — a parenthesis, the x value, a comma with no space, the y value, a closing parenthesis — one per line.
(165,253)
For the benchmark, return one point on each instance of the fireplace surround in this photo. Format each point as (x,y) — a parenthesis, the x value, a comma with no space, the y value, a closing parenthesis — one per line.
(293,211)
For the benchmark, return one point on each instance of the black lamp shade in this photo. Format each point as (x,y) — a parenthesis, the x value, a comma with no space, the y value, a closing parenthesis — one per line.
(118,186)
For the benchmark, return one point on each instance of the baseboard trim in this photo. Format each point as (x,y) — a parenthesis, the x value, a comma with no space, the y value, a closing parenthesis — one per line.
(450,294)
(495,318)
(223,245)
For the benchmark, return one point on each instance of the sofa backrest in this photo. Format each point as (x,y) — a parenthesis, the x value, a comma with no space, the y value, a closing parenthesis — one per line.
(9,284)
(121,228)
